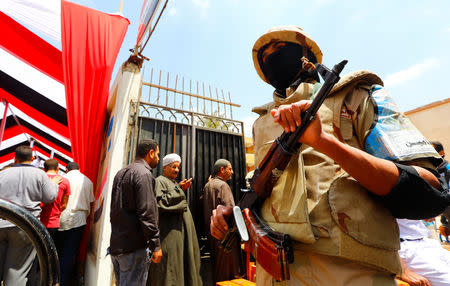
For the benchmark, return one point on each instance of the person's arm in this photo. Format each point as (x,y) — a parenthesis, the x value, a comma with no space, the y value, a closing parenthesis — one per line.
(412,278)
(64,201)
(147,209)
(66,193)
(49,188)
(377,175)
(226,195)
(186,184)
(169,200)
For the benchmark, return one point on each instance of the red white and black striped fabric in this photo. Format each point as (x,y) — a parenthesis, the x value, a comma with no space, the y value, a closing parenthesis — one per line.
(31,80)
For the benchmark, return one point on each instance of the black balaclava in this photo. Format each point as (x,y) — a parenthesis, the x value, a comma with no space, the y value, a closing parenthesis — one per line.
(283,67)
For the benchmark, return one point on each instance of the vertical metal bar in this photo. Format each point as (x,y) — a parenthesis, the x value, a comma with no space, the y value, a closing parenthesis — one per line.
(224,104)
(198,92)
(231,107)
(150,91)
(52,153)
(174,137)
(2,128)
(190,92)
(159,84)
(167,90)
(204,101)
(175,94)
(193,150)
(218,104)
(210,96)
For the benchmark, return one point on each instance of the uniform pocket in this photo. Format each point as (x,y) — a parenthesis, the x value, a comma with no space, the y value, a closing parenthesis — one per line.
(361,216)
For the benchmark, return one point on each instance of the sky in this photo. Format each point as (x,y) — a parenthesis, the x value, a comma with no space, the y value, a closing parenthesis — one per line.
(406,43)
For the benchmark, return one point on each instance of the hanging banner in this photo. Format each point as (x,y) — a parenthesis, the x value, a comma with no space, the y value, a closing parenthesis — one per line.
(90,44)
(147,13)
(42,16)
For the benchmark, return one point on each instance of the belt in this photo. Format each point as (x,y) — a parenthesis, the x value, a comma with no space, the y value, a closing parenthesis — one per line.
(410,239)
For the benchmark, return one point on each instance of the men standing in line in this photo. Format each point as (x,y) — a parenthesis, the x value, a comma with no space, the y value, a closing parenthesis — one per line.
(73,219)
(26,186)
(180,264)
(50,215)
(226,266)
(134,218)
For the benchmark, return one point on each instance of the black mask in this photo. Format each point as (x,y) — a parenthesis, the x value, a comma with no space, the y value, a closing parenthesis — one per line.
(282,67)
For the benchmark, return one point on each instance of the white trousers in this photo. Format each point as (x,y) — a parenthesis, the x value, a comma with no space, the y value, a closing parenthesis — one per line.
(428,258)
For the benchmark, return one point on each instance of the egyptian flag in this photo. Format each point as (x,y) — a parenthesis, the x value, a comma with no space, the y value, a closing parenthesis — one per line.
(33,95)
(90,42)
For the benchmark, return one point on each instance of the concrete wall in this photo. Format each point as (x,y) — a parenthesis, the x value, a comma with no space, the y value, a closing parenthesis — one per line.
(125,91)
(433,120)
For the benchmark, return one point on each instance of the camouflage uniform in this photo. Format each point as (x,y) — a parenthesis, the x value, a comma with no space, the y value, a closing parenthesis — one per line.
(342,235)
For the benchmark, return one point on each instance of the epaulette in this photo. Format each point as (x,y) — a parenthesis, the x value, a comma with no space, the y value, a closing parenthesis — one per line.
(263,109)
(354,78)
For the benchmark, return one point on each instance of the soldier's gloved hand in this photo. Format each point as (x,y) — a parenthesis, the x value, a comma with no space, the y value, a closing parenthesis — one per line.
(219,217)
(289,117)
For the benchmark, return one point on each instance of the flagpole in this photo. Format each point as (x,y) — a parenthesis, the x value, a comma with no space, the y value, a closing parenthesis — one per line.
(121,6)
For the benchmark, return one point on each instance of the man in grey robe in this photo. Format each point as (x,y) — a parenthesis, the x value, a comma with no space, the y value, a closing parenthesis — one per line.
(180,263)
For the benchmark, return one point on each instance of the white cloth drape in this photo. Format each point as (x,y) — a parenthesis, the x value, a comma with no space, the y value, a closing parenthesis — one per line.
(42,16)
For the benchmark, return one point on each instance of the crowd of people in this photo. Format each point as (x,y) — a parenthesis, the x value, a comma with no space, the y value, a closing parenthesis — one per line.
(62,203)
(151,222)
(352,201)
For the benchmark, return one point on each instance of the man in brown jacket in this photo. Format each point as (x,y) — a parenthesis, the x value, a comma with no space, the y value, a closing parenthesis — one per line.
(218,192)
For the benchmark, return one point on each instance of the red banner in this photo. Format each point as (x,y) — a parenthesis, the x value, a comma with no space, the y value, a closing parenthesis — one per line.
(91,41)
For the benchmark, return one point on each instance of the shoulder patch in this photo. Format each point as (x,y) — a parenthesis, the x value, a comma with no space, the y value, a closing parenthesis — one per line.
(355,78)
(263,109)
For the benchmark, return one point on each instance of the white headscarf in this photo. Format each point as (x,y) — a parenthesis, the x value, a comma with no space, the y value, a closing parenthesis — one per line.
(170,158)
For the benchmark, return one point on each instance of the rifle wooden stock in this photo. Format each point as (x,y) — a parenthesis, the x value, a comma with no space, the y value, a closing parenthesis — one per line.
(272,166)
(265,250)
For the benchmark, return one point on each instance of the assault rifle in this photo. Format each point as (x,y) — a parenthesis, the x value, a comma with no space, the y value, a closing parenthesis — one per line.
(273,250)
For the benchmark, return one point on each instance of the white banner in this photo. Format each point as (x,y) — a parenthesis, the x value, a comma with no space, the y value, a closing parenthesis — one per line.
(42,16)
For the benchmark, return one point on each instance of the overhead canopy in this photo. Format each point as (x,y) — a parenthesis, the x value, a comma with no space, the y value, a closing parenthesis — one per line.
(31,81)
(61,94)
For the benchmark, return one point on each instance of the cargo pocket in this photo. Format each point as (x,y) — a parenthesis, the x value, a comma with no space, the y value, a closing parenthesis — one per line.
(286,209)
(361,216)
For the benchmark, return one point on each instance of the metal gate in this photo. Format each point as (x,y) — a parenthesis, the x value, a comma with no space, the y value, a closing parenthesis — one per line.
(198,127)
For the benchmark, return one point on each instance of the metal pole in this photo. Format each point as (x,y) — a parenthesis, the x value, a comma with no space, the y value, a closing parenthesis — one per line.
(193,153)
(121,6)
(167,92)
(2,128)
(218,104)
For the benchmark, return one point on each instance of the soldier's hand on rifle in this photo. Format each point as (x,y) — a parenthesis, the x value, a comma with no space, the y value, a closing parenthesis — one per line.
(289,117)
(219,225)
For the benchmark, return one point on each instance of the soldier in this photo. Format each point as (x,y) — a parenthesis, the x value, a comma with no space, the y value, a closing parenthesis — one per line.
(334,196)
